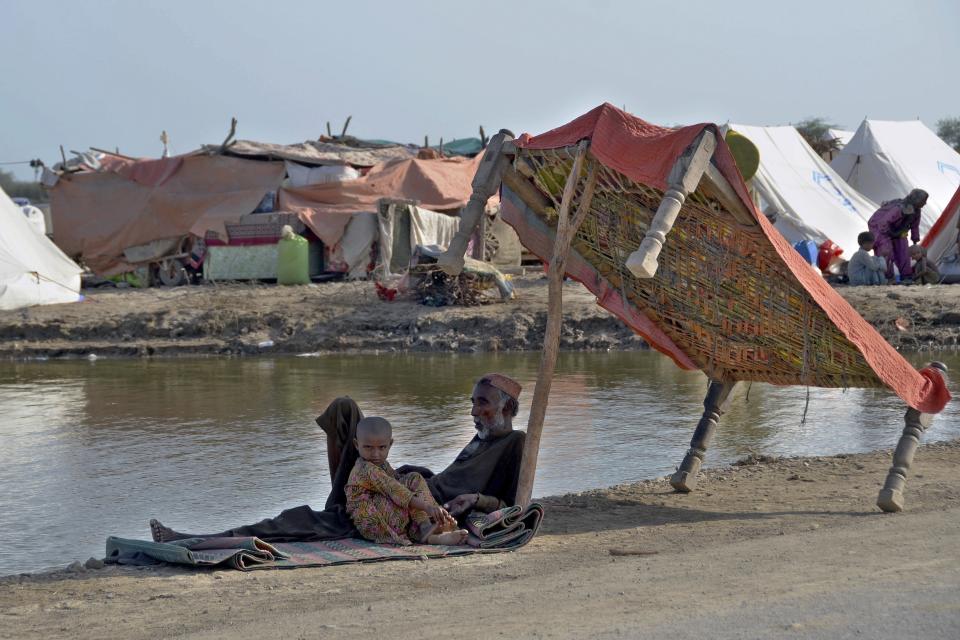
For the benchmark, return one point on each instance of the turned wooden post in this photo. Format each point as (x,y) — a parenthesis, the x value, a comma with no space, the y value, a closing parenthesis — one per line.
(551,338)
(684,480)
(683,179)
(485,184)
(915,423)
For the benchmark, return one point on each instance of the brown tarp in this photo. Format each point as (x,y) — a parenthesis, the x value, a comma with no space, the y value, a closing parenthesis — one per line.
(441,184)
(97,215)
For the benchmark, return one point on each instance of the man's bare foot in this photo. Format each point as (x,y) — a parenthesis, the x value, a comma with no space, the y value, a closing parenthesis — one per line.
(160,533)
(456,537)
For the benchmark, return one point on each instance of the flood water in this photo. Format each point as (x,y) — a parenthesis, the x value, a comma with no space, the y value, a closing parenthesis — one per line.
(97,448)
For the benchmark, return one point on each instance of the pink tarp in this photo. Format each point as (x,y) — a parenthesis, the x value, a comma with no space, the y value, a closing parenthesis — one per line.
(441,184)
(645,153)
(97,215)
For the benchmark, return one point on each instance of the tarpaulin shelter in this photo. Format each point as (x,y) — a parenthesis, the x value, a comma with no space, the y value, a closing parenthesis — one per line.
(805,197)
(943,239)
(128,202)
(658,224)
(32,269)
(886,159)
(439,185)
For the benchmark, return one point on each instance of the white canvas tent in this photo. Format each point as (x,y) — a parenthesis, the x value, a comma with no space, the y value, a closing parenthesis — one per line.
(810,200)
(842,136)
(886,159)
(32,269)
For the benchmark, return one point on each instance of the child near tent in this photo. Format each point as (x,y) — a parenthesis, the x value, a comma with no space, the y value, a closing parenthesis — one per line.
(388,507)
(923,270)
(863,268)
(891,224)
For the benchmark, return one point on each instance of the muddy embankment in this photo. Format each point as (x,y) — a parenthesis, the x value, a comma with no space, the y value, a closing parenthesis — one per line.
(346,317)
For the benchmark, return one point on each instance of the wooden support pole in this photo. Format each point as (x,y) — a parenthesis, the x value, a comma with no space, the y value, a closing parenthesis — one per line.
(485,184)
(551,339)
(684,480)
(890,498)
(683,179)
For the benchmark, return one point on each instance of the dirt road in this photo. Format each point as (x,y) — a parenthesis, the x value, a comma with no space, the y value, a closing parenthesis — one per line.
(348,317)
(784,549)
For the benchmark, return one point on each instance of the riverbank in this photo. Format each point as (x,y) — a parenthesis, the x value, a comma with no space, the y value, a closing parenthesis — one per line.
(348,317)
(783,548)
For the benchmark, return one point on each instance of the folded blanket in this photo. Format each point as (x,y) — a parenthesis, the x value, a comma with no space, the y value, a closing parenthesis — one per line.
(508,528)
(239,553)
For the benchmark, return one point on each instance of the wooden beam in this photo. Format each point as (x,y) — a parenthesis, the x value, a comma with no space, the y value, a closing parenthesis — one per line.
(485,183)
(725,193)
(551,339)
(683,179)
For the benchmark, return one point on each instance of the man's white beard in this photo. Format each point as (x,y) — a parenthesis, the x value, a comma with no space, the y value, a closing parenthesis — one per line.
(484,431)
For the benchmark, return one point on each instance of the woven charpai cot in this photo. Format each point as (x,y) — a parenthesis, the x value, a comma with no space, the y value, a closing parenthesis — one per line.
(721,293)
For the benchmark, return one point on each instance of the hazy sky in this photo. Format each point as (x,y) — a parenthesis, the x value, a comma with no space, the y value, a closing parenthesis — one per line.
(102,73)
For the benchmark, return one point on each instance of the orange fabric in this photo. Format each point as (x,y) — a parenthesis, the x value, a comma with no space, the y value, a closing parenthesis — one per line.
(97,215)
(436,184)
(646,153)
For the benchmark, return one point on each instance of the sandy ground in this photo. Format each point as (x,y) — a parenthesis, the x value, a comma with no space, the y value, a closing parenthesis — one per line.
(348,317)
(790,548)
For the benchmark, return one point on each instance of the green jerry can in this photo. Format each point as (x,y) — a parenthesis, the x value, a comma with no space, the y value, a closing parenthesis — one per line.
(293,258)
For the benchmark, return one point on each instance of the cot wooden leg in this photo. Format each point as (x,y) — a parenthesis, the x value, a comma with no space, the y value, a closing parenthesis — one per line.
(683,180)
(915,423)
(485,184)
(714,406)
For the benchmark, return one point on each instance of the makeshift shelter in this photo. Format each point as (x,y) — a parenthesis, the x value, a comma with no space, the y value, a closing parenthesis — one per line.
(943,240)
(327,208)
(127,203)
(32,269)
(886,159)
(658,224)
(805,197)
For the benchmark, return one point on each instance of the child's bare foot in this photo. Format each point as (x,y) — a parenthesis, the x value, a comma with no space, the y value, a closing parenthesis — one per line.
(456,537)
(160,533)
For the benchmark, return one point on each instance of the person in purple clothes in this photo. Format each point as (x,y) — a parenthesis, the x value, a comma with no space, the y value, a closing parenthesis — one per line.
(890,225)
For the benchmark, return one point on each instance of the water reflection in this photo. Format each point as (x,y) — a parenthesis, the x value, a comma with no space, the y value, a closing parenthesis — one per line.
(98,448)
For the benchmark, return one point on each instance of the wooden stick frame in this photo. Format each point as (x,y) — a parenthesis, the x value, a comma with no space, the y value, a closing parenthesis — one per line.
(566,228)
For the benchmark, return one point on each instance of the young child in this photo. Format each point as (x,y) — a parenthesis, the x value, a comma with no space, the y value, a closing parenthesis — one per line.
(923,271)
(863,268)
(390,508)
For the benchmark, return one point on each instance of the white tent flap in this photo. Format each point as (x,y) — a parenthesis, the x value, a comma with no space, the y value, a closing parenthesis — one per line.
(886,159)
(809,200)
(32,269)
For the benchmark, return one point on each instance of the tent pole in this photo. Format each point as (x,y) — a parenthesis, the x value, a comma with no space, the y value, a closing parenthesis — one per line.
(551,339)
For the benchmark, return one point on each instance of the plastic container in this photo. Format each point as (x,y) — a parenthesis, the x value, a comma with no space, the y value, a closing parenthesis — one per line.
(293,260)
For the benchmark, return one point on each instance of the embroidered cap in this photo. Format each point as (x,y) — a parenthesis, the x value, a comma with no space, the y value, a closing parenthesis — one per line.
(506,384)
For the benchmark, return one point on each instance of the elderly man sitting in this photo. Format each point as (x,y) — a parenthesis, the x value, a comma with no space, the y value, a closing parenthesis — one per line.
(483,476)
